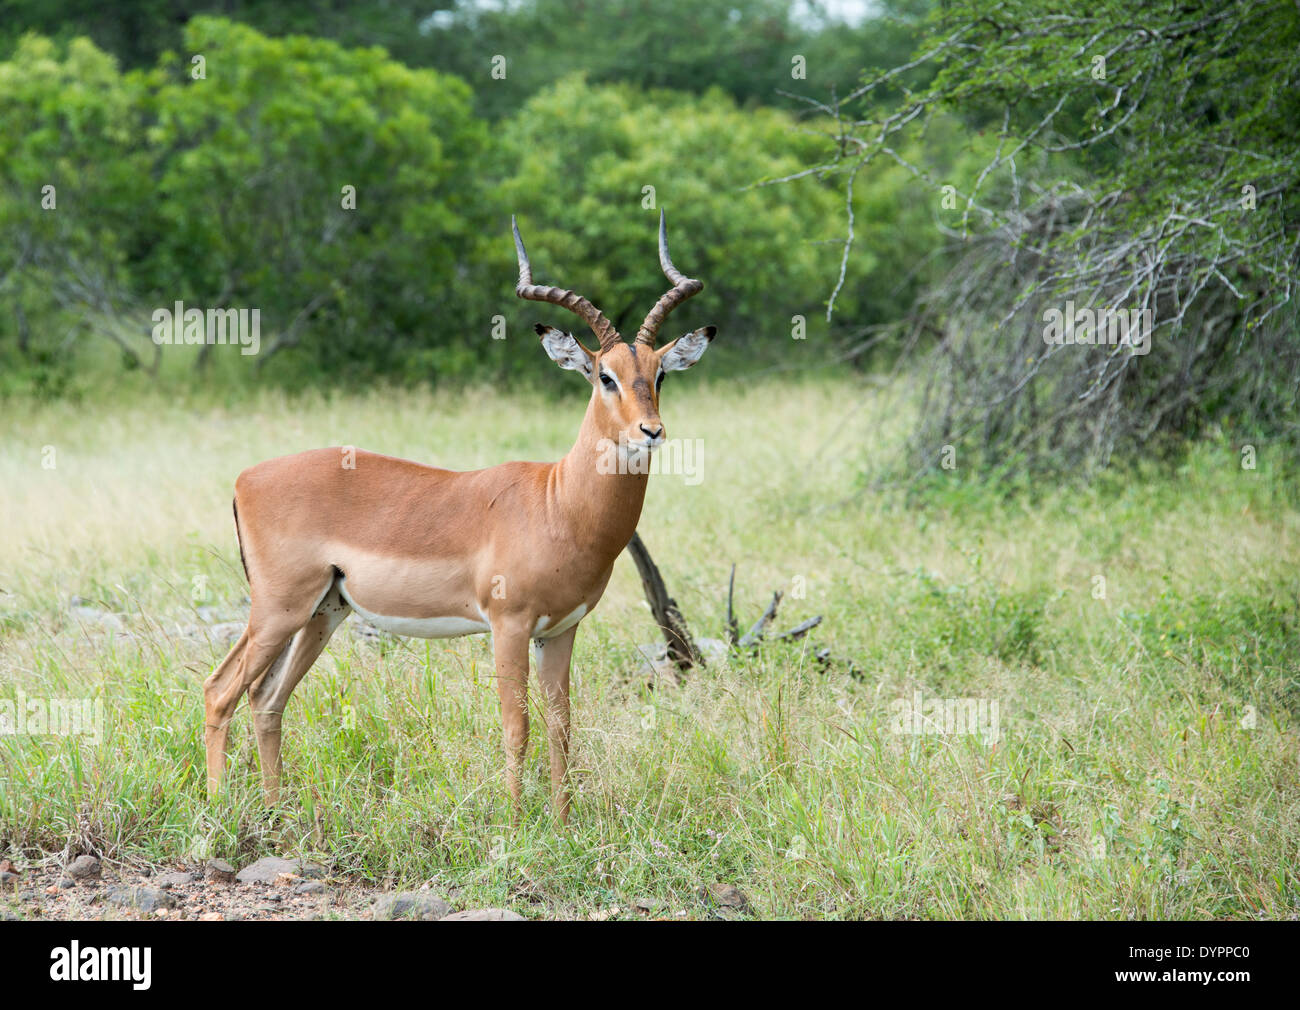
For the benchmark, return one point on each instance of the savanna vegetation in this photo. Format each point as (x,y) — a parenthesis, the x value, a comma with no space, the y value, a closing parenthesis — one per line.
(1101,540)
(1145,759)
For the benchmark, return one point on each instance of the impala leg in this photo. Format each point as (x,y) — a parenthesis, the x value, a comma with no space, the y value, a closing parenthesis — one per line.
(553,660)
(216,729)
(510,652)
(253,653)
(270,694)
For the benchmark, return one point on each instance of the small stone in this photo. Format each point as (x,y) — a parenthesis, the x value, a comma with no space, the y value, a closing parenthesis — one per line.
(219,871)
(484,915)
(66,882)
(176,878)
(84,868)
(147,899)
(411,905)
(310,887)
(224,633)
(211,917)
(89,615)
(266,869)
(8,878)
(725,896)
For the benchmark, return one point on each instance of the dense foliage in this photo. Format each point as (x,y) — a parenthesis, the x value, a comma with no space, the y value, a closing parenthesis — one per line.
(1146,161)
(362,207)
(935,177)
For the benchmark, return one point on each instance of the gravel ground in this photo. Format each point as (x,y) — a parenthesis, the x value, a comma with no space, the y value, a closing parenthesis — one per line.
(269,889)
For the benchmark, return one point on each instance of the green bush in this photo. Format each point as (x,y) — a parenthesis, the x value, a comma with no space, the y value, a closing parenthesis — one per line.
(226,188)
(73,175)
(252,164)
(584,157)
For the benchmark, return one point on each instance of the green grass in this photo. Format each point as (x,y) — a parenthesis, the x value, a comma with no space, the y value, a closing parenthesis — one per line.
(1146,765)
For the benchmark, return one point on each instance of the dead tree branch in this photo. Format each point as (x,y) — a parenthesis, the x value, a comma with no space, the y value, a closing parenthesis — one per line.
(681,648)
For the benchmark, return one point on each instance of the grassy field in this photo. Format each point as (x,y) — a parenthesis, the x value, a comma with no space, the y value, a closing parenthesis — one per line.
(1141,640)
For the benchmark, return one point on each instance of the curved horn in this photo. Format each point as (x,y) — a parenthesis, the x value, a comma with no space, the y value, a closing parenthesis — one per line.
(682,289)
(579,306)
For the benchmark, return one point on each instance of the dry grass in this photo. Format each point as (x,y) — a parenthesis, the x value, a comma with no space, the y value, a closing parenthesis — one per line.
(1146,761)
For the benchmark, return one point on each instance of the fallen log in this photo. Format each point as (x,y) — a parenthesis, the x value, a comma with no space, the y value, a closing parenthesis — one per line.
(681,648)
(755,634)
(733,629)
(799,630)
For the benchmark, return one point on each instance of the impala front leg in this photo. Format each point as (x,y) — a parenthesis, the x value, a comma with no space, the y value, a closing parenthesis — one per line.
(510,652)
(553,658)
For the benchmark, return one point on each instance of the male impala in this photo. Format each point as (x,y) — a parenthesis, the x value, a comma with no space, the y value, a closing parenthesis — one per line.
(523,550)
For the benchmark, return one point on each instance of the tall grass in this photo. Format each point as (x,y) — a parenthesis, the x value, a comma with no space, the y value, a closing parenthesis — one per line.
(1139,638)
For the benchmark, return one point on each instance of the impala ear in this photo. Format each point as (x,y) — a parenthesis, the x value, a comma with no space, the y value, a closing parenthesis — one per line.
(564,349)
(687,349)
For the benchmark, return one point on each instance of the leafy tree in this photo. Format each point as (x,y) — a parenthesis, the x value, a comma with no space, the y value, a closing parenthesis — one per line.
(139,31)
(593,165)
(1146,159)
(332,188)
(686,45)
(72,174)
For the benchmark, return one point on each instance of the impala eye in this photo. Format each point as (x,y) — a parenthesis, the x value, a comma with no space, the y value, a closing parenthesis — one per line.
(608,382)
(659,382)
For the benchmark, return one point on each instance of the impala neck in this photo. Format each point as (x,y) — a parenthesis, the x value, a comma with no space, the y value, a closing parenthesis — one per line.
(604,506)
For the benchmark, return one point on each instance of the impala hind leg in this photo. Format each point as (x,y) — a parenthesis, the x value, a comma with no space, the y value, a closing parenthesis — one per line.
(216,730)
(553,659)
(510,653)
(255,651)
(272,623)
(270,694)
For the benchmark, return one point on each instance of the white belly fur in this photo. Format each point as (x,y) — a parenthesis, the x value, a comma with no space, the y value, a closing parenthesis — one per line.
(418,627)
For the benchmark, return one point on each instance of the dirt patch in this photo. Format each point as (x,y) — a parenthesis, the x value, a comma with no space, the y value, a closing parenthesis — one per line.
(186,892)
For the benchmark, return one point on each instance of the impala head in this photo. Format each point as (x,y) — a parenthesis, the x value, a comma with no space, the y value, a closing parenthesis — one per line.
(625,378)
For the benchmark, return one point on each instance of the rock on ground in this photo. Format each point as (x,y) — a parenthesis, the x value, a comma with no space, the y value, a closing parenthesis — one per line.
(725,896)
(220,871)
(411,905)
(147,899)
(84,868)
(266,869)
(484,915)
(176,878)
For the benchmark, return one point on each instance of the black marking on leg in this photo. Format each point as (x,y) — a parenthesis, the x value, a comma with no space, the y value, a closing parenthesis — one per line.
(234,505)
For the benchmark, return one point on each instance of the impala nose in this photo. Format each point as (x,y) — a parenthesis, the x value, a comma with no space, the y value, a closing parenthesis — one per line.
(653,435)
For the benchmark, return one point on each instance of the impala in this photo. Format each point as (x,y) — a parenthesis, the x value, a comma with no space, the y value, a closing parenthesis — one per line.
(521,550)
